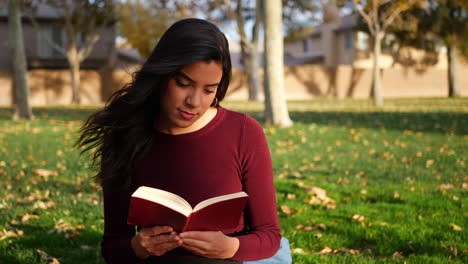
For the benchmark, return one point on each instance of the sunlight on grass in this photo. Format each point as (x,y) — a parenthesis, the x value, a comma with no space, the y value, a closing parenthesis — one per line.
(355,183)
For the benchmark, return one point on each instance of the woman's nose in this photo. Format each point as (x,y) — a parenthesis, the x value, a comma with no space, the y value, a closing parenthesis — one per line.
(194,98)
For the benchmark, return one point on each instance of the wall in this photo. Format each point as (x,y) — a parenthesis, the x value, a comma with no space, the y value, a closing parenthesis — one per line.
(52,87)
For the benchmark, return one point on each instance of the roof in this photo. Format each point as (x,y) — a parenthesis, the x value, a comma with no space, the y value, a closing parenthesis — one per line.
(43,11)
(346,22)
(130,55)
(291,60)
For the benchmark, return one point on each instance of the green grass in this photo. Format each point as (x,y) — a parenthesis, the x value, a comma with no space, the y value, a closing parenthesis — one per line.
(400,170)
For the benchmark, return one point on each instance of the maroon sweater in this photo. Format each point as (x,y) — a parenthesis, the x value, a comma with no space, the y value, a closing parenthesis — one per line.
(230,154)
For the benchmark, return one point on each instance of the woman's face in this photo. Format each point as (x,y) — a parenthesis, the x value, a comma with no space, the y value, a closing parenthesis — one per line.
(189,94)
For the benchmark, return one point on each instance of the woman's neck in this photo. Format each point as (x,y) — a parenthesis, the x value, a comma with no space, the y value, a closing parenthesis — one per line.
(197,125)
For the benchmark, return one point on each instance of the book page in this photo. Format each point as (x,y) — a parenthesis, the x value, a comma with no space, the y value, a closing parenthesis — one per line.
(217,199)
(165,198)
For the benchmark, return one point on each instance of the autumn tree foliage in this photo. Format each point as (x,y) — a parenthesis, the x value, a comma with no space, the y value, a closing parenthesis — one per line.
(142,23)
(436,23)
(378,16)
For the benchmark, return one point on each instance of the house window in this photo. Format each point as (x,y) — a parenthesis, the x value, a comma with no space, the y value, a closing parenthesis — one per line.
(349,39)
(46,35)
(362,41)
(80,39)
(307,45)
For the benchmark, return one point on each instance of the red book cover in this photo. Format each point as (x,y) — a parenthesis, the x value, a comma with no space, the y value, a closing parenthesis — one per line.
(151,206)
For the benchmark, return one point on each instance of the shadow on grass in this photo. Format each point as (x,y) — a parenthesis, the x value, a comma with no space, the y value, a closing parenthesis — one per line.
(438,122)
(56,113)
(39,245)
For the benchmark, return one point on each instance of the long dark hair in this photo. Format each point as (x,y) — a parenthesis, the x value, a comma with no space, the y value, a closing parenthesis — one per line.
(123,130)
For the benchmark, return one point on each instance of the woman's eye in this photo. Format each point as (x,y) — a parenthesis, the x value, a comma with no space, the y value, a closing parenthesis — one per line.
(209,91)
(181,84)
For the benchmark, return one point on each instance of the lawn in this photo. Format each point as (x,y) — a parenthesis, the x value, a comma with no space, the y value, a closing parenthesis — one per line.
(355,183)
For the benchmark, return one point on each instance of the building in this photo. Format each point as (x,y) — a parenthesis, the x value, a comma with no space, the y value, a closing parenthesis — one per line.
(48,69)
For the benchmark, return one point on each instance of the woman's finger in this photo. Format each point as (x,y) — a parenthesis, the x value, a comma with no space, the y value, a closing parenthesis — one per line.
(155,230)
(196,243)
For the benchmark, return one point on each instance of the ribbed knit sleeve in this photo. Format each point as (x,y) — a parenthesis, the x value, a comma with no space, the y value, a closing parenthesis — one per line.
(264,237)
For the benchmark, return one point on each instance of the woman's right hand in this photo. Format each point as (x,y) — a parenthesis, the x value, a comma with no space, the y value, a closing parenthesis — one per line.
(155,240)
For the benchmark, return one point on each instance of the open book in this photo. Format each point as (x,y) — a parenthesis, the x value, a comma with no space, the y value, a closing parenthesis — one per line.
(151,206)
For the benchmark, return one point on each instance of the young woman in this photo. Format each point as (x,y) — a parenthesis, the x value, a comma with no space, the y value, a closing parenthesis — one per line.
(166,130)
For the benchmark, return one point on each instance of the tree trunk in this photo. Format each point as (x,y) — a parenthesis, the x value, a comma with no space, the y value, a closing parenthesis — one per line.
(23,108)
(72,54)
(454,88)
(376,86)
(74,63)
(274,59)
(254,75)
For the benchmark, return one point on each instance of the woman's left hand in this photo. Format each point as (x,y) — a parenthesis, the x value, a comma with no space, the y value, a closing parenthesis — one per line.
(210,244)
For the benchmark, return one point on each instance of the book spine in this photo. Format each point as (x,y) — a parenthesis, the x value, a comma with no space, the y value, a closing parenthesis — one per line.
(187,223)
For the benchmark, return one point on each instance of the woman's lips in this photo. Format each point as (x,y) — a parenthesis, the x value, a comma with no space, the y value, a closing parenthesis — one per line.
(186,115)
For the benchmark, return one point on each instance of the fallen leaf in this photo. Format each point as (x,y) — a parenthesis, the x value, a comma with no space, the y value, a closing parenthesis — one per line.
(429,163)
(43,205)
(444,187)
(4,234)
(27,217)
(44,173)
(287,210)
(397,254)
(319,192)
(358,217)
(300,251)
(46,257)
(325,251)
(455,227)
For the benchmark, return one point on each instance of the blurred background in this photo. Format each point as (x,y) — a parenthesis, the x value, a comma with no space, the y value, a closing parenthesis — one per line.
(364,105)
(82,51)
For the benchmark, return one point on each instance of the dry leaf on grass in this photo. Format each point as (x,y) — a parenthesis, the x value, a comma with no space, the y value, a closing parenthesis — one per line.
(4,234)
(43,205)
(25,218)
(455,227)
(318,196)
(325,251)
(299,251)
(445,187)
(358,217)
(289,211)
(44,173)
(46,257)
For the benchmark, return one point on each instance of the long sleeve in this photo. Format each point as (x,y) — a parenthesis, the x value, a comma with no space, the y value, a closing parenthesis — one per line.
(264,237)
(116,243)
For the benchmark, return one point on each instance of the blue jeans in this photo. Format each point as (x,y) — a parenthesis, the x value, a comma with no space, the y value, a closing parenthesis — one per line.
(283,256)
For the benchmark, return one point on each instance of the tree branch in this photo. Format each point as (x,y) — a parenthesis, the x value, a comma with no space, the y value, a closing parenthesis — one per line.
(366,17)
(394,14)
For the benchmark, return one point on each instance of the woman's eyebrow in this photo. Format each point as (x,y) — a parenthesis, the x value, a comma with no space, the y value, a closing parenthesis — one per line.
(191,80)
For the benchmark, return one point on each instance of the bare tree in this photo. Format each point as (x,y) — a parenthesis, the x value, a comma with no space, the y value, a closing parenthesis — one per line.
(224,11)
(250,54)
(378,19)
(276,110)
(23,108)
(81,17)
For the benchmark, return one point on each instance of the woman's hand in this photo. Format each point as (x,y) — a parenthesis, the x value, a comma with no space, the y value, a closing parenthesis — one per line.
(210,244)
(155,240)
